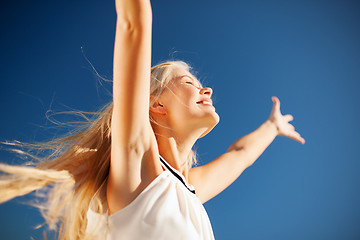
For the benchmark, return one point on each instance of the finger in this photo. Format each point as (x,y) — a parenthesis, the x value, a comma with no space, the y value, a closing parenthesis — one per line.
(297,137)
(288,117)
(276,102)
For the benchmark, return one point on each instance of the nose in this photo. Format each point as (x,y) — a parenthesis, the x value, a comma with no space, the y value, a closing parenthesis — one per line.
(206,91)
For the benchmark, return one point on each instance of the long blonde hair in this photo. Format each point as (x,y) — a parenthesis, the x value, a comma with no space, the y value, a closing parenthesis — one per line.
(75,167)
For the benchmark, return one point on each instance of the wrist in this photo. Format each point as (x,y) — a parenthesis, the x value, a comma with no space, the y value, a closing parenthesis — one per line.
(272,125)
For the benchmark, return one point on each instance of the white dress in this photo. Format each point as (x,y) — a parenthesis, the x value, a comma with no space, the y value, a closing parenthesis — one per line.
(167,209)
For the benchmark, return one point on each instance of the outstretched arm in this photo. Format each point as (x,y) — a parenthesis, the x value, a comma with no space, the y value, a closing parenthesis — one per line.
(212,178)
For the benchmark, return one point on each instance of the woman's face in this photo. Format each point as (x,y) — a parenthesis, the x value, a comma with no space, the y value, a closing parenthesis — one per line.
(188,104)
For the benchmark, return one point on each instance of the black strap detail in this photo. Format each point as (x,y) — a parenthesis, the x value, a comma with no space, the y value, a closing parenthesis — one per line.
(175,174)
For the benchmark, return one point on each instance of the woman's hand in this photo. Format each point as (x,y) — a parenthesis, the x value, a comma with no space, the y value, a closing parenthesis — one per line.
(282,124)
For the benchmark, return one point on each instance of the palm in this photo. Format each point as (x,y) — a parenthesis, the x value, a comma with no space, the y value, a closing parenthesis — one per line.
(282,122)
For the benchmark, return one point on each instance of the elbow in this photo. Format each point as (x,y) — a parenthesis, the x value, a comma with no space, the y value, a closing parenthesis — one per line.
(234,148)
(135,16)
(133,27)
(242,156)
(248,164)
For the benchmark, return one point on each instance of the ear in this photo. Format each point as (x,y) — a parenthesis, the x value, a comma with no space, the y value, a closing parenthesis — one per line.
(157,108)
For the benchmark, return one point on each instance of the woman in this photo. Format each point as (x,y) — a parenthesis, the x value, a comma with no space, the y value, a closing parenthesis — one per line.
(128,174)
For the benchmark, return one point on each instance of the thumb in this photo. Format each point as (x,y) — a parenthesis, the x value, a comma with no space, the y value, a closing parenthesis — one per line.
(276,106)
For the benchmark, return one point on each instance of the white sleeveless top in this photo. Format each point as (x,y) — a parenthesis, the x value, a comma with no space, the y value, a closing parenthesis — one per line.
(167,209)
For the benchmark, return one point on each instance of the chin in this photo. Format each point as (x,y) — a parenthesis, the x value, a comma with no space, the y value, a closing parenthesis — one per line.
(213,121)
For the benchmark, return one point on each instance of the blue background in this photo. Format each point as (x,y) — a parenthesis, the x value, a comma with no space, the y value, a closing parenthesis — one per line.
(305,52)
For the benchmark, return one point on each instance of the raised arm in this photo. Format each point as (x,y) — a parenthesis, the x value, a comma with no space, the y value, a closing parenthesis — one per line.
(130,126)
(212,178)
(132,64)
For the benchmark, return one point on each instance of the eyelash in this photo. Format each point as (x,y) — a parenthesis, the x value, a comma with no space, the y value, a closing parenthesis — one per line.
(192,84)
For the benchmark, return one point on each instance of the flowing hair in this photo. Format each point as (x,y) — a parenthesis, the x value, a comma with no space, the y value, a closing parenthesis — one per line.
(75,166)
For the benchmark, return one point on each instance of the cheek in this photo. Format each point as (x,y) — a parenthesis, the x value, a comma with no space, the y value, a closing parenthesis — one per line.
(181,109)
(181,102)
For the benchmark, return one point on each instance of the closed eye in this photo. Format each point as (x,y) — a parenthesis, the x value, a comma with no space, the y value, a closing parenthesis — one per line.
(192,83)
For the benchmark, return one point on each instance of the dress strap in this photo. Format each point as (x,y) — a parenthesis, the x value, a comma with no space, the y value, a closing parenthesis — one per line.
(177,174)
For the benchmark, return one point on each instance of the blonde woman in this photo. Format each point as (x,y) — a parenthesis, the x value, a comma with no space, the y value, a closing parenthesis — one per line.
(127,174)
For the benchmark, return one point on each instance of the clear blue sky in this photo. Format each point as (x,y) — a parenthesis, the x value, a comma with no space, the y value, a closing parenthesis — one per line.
(305,52)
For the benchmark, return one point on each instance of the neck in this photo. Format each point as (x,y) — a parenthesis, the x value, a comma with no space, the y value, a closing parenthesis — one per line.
(176,149)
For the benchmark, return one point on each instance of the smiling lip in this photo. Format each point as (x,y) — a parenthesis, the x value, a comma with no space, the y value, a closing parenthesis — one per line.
(205,102)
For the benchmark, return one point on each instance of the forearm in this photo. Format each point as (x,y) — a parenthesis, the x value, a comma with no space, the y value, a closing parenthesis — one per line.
(251,146)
